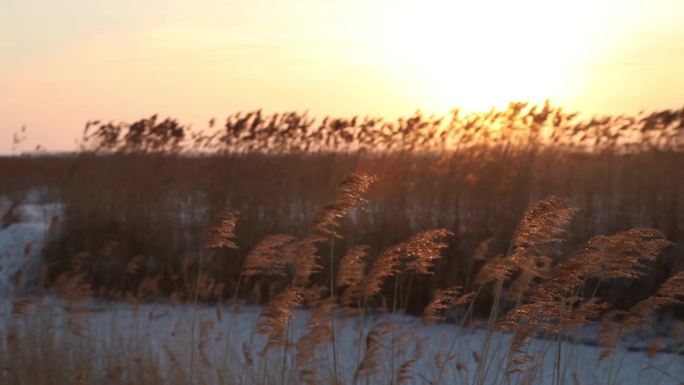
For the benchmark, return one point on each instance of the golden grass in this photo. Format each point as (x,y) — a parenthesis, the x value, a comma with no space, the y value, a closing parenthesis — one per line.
(406,235)
(551,302)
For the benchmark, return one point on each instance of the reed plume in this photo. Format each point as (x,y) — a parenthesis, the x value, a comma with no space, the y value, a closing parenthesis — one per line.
(350,195)
(275,319)
(304,255)
(351,272)
(553,306)
(441,303)
(540,232)
(370,363)
(623,255)
(269,256)
(417,254)
(221,234)
(319,331)
(20,307)
(618,324)
(423,249)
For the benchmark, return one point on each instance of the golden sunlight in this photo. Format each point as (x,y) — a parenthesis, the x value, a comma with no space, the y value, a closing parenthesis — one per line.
(487,53)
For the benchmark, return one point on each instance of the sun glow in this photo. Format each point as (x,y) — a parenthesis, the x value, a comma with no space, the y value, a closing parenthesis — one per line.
(479,54)
(208,58)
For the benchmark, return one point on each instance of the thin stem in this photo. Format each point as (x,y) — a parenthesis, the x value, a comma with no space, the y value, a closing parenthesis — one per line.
(453,341)
(194,319)
(287,338)
(332,304)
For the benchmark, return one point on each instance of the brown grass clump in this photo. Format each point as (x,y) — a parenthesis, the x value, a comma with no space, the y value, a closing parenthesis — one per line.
(138,226)
(222,233)
(20,307)
(618,324)
(417,254)
(537,238)
(370,364)
(441,303)
(423,249)
(542,227)
(305,258)
(350,195)
(520,124)
(554,305)
(623,255)
(351,273)
(274,320)
(310,346)
(157,204)
(268,257)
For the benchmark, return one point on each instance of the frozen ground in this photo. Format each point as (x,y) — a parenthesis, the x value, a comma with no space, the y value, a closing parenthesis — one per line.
(165,332)
(154,330)
(21,242)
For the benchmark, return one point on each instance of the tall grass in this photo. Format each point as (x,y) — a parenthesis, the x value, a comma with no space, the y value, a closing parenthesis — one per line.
(475,218)
(147,190)
(554,300)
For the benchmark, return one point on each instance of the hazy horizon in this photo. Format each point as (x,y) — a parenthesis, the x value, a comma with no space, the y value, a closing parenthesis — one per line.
(72,61)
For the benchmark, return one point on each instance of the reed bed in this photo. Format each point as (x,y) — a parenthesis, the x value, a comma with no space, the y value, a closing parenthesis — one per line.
(341,228)
(542,300)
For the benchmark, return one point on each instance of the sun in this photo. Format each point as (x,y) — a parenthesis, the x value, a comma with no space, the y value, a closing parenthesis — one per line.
(480,54)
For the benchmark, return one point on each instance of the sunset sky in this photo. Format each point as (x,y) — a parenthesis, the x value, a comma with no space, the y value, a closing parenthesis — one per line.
(65,62)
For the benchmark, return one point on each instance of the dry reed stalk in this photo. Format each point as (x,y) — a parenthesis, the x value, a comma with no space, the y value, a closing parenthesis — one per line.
(209,173)
(417,254)
(305,258)
(274,320)
(20,307)
(134,265)
(540,232)
(320,328)
(385,266)
(78,329)
(269,258)
(519,125)
(553,308)
(370,363)
(350,271)
(221,234)
(350,195)
(405,374)
(441,303)
(423,249)
(73,289)
(623,255)
(480,253)
(617,324)
(350,274)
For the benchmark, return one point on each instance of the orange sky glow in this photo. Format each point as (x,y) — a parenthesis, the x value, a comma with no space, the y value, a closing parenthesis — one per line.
(69,61)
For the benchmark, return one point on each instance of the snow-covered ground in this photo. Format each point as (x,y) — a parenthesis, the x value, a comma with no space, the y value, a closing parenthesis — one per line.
(157,330)
(221,336)
(21,242)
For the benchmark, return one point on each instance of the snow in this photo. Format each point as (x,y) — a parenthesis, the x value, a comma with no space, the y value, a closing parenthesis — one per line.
(157,329)
(32,229)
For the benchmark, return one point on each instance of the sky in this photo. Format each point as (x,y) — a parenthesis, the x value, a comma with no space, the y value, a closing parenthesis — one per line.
(64,62)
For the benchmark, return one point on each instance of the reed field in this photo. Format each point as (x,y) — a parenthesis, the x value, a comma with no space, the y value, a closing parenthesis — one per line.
(520,246)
